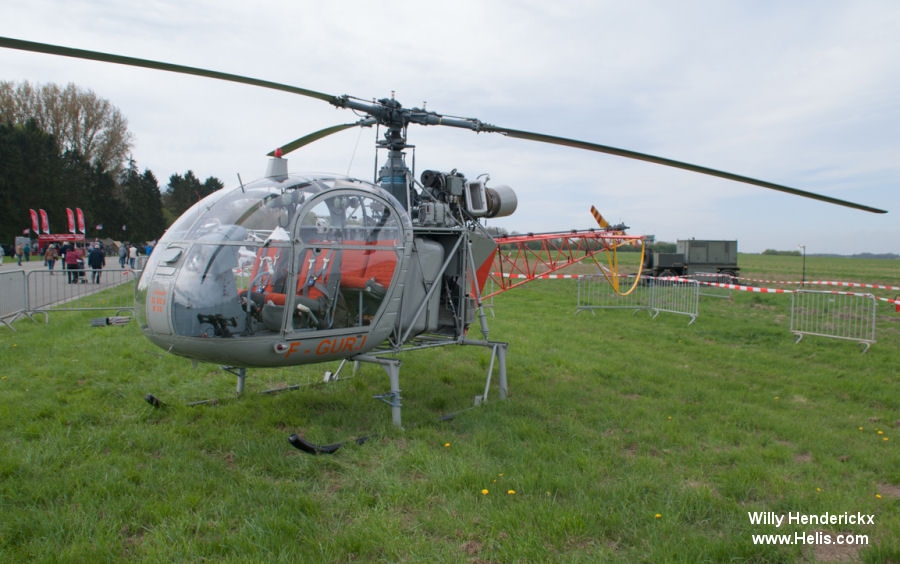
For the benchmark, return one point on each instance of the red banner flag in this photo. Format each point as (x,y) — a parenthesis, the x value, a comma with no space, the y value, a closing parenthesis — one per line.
(45,222)
(71,217)
(34,221)
(80,215)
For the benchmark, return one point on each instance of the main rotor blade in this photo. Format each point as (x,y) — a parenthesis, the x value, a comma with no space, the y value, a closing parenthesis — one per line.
(672,163)
(386,115)
(316,135)
(146,63)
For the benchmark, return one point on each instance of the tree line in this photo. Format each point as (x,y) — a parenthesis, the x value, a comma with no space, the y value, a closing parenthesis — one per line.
(66,148)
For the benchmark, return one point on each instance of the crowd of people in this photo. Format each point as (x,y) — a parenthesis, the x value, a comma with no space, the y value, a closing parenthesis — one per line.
(76,258)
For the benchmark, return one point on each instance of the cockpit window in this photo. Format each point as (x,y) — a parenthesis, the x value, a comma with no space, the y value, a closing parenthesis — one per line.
(349,218)
(346,260)
(281,258)
(259,211)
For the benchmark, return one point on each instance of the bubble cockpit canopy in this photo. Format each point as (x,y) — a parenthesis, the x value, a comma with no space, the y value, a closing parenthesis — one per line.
(278,256)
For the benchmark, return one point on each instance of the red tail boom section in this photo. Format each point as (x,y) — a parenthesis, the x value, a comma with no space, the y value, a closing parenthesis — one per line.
(520,259)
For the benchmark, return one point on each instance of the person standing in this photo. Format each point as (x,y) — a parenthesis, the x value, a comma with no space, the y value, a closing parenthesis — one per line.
(96,260)
(19,252)
(123,254)
(132,255)
(50,256)
(72,264)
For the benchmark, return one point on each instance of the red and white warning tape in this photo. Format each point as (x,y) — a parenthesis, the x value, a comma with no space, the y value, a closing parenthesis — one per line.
(786,291)
(829,283)
(541,276)
(739,287)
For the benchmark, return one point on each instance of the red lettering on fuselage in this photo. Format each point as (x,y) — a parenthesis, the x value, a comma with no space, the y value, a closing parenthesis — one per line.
(157,300)
(340,345)
(336,346)
(291,348)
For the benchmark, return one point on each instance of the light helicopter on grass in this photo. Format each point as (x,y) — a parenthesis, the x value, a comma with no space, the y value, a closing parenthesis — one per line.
(295,269)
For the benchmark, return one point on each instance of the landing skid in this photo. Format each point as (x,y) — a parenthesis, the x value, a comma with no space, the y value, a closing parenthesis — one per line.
(391,364)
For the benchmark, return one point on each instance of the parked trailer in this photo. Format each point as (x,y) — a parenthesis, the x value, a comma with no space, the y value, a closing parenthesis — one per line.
(693,256)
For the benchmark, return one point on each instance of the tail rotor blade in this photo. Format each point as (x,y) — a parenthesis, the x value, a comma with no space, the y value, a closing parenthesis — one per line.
(600,219)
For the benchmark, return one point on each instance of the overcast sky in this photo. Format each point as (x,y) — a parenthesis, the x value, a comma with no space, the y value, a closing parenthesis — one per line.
(803,93)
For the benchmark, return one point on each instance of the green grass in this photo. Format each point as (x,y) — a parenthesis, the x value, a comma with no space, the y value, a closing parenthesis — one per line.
(612,420)
(790,268)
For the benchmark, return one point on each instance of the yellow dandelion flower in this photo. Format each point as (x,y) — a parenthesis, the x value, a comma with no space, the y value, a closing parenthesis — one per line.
(880,432)
(446,445)
(485,492)
(885,438)
(860,428)
(658,516)
(877,496)
(818,489)
(511,492)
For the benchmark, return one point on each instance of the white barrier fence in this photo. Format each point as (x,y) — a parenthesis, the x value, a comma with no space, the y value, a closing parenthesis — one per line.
(81,289)
(715,284)
(13,302)
(24,293)
(839,315)
(680,296)
(594,292)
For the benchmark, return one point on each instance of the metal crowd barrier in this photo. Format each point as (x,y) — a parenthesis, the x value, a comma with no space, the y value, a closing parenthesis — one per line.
(710,284)
(594,292)
(13,303)
(839,315)
(24,293)
(680,296)
(79,290)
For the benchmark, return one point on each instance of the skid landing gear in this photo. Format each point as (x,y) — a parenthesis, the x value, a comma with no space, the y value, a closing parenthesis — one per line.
(391,365)
(241,374)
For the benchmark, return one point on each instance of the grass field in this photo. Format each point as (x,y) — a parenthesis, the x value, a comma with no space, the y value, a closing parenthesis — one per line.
(624,439)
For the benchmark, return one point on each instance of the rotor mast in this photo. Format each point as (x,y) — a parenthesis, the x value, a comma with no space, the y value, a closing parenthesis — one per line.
(395,175)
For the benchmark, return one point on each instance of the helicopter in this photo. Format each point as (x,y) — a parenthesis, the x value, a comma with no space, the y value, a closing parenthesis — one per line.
(294,269)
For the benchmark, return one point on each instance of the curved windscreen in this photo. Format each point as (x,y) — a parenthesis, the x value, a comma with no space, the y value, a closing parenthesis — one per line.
(302,255)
